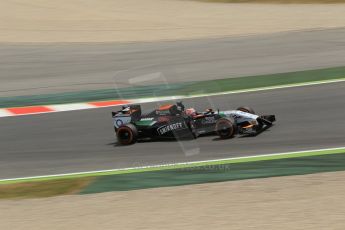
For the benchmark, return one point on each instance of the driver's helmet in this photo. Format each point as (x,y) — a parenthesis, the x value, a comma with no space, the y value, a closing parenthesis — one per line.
(190,112)
(126,109)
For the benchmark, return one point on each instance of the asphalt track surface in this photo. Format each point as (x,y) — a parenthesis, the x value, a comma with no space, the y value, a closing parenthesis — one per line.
(30,69)
(309,117)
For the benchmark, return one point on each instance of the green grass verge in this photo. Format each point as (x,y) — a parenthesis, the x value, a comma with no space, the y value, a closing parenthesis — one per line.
(46,189)
(181,166)
(204,172)
(176,177)
(218,173)
(183,89)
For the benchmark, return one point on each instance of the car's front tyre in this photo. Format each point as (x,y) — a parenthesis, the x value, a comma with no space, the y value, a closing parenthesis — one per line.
(225,128)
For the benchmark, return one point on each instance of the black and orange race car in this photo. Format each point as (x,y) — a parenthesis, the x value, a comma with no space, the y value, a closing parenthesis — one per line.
(174,121)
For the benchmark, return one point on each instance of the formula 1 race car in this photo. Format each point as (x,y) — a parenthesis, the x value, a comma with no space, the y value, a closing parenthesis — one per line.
(174,121)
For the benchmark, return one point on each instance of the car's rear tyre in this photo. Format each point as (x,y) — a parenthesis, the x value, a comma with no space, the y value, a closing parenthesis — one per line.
(225,128)
(127,134)
(246,109)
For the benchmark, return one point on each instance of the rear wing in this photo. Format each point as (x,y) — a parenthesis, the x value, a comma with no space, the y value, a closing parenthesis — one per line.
(128,113)
(133,110)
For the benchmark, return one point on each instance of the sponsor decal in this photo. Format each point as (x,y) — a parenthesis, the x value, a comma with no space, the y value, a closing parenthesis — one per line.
(239,115)
(166,128)
(208,120)
(236,116)
(147,119)
(119,122)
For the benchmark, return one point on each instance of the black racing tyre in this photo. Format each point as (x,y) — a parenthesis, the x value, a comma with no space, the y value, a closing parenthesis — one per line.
(225,128)
(127,134)
(246,109)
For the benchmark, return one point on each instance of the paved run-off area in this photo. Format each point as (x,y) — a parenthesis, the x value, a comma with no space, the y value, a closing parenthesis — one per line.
(133,20)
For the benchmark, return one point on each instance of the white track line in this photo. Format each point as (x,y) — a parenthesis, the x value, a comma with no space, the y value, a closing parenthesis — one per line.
(147,100)
(169,165)
(5,113)
(87,105)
